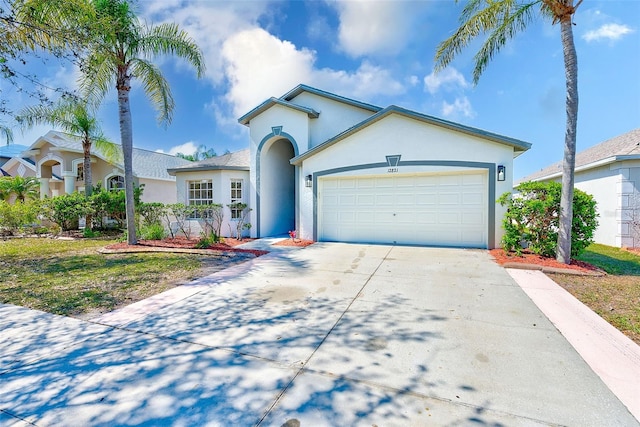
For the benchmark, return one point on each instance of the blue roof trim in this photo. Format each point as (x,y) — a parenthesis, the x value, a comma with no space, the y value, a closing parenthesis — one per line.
(304,88)
(244,120)
(393,109)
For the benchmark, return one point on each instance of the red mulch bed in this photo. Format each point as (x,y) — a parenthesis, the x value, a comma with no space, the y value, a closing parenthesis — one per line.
(503,258)
(184,243)
(297,242)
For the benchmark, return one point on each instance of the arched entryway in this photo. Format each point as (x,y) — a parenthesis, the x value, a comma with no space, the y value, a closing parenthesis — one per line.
(277,189)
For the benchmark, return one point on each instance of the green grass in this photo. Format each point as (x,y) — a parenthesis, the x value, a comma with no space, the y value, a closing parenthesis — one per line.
(71,278)
(612,260)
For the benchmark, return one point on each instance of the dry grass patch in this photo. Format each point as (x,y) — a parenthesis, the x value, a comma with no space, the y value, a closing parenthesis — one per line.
(69,277)
(616,296)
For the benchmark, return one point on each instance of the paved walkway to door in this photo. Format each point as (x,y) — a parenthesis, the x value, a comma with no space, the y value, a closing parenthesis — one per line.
(329,335)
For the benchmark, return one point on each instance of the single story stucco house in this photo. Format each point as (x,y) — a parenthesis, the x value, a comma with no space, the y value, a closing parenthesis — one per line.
(221,179)
(337,169)
(57,160)
(610,171)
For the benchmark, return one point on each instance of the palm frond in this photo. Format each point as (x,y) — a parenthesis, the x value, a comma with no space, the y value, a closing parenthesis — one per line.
(168,39)
(7,133)
(500,19)
(156,87)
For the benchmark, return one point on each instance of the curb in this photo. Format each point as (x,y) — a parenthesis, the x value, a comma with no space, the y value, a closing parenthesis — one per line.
(524,266)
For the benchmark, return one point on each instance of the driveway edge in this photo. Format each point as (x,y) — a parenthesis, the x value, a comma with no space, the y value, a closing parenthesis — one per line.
(613,356)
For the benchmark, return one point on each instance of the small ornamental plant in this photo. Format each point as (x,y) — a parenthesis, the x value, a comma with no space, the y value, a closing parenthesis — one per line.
(292,234)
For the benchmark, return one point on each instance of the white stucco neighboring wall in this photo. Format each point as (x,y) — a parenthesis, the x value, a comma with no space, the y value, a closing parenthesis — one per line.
(414,141)
(615,189)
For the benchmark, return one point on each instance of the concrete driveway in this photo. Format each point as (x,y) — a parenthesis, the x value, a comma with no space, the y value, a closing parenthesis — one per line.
(330,335)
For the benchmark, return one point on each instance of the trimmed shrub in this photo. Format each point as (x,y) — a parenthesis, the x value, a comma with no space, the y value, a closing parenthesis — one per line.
(533,216)
(65,210)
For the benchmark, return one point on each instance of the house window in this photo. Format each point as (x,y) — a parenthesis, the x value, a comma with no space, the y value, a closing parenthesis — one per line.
(80,172)
(200,193)
(115,183)
(236,197)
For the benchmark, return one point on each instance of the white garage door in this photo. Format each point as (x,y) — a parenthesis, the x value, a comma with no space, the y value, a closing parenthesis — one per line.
(438,209)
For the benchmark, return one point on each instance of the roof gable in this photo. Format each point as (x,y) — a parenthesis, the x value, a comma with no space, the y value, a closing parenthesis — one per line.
(244,120)
(518,145)
(304,88)
(287,99)
(621,147)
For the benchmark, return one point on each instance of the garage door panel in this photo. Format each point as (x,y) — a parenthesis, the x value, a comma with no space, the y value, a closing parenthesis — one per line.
(449,199)
(430,209)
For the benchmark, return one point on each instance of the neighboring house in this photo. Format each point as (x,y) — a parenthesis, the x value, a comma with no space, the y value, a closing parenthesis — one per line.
(337,169)
(7,152)
(610,171)
(221,179)
(57,160)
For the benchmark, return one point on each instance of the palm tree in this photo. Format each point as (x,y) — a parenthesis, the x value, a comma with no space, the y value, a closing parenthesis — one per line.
(7,133)
(22,187)
(202,153)
(119,54)
(73,116)
(500,21)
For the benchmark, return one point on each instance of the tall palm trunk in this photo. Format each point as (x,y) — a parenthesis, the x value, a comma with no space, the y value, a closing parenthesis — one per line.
(569,161)
(86,167)
(124,87)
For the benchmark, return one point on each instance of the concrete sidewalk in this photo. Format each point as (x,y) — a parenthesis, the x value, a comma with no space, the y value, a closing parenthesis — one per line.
(331,335)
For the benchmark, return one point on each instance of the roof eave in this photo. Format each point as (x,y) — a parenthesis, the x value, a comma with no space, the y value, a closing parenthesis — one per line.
(244,120)
(173,171)
(592,165)
(304,88)
(518,146)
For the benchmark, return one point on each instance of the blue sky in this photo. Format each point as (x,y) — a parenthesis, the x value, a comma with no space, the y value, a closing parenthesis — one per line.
(382,52)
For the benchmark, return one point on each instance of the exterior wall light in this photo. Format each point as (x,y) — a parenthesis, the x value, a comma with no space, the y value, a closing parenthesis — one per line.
(502,172)
(308,181)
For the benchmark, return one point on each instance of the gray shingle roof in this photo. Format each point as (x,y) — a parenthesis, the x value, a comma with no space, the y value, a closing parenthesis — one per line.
(239,160)
(146,164)
(618,148)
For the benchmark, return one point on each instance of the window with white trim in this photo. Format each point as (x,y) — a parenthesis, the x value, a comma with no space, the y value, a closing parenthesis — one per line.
(115,183)
(236,197)
(80,172)
(200,192)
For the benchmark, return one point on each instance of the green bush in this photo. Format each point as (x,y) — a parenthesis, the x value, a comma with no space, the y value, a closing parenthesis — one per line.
(533,216)
(15,217)
(152,232)
(65,210)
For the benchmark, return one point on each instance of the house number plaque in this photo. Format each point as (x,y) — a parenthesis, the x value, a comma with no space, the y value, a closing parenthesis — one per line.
(393,162)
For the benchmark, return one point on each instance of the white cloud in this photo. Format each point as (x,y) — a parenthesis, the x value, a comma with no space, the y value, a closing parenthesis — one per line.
(186,149)
(376,27)
(449,78)
(259,65)
(611,32)
(460,107)
(210,23)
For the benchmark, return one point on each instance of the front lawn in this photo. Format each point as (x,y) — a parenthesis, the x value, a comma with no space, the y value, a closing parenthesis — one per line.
(616,296)
(69,277)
